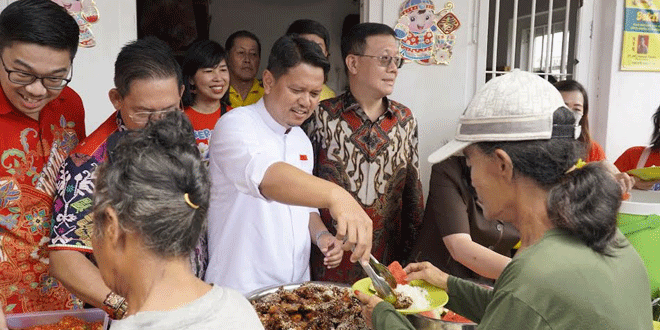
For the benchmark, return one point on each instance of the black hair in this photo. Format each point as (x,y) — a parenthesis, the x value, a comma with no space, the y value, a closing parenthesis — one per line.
(355,41)
(290,50)
(40,22)
(573,86)
(242,34)
(145,180)
(201,55)
(148,58)
(655,137)
(308,26)
(583,201)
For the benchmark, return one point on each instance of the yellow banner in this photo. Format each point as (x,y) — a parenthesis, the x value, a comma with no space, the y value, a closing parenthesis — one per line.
(641,36)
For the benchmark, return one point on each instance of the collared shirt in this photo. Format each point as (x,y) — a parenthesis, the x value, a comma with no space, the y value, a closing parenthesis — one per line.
(32,152)
(255,94)
(255,242)
(377,162)
(72,217)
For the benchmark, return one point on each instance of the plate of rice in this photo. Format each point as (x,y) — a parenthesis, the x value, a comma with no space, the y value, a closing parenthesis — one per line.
(425,296)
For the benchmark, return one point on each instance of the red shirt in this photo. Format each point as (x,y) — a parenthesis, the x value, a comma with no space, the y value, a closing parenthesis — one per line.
(629,159)
(595,153)
(32,152)
(203,125)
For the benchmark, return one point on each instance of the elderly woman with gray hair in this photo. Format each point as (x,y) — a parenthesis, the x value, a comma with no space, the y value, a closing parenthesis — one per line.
(574,270)
(150,206)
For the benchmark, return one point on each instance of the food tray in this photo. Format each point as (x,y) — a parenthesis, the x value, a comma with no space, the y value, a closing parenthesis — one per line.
(25,320)
(260,293)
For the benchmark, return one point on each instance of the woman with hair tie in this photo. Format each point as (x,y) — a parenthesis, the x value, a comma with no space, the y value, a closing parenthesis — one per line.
(150,206)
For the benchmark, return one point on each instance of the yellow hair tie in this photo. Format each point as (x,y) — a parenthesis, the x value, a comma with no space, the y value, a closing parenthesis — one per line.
(187,198)
(580,164)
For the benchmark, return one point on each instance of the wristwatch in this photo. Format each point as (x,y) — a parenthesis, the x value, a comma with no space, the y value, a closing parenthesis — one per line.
(115,305)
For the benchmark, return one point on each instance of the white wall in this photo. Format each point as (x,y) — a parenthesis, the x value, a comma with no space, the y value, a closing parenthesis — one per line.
(622,101)
(94,67)
(269,19)
(438,94)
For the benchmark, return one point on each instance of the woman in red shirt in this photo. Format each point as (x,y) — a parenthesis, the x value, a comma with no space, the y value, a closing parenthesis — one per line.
(576,99)
(640,156)
(205,98)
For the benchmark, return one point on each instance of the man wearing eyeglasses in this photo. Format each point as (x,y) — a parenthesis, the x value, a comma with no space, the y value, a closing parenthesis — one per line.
(148,84)
(367,144)
(41,120)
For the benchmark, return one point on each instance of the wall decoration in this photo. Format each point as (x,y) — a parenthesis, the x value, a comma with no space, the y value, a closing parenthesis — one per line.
(426,37)
(641,36)
(85,13)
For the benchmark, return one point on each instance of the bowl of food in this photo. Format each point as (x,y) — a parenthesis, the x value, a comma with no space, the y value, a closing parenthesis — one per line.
(309,305)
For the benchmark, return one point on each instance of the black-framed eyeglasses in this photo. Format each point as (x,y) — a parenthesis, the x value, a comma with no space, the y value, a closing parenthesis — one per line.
(385,60)
(142,117)
(25,78)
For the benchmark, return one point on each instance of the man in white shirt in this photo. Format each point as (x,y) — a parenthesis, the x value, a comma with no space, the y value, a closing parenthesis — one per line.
(263,215)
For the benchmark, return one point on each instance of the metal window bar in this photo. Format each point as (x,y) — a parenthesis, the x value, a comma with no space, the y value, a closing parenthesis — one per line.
(530,51)
(495,36)
(546,47)
(548,66)
(564,38)
(515,30)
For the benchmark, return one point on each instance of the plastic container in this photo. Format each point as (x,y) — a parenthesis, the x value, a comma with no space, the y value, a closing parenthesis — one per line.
(639,221)
(25,320)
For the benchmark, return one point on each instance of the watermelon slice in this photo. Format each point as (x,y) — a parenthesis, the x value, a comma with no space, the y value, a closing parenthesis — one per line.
(398,272)
(453,317)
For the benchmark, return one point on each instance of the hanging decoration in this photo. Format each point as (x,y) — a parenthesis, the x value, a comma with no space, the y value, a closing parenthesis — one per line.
(85,13)
(426,37)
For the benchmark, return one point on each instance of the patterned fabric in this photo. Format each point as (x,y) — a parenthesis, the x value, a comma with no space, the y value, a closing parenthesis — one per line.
(72,208)
(377,163)
(254,95)
(32,152)
(203,125)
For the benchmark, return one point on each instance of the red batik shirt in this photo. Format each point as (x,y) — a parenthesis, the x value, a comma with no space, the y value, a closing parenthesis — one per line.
(32,152)
(377,162)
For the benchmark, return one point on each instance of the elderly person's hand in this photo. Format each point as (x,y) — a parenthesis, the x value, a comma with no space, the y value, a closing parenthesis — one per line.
(368,305)
(331,249)
(625,181)
(427,272)
(644,185)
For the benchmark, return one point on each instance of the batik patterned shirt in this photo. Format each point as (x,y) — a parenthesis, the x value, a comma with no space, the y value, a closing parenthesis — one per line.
(32,153)
(72,216)
(377,162)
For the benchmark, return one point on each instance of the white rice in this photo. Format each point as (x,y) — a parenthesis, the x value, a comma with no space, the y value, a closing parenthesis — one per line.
(417,294)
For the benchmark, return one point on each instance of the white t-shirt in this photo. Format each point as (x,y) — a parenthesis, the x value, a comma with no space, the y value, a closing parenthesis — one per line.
(254,242)
(220,308)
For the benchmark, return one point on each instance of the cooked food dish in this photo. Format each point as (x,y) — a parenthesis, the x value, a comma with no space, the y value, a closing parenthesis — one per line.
(69,323)
(311,306)
(411,297)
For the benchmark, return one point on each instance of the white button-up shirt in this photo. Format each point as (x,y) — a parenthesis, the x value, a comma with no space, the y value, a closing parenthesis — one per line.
(255,242)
